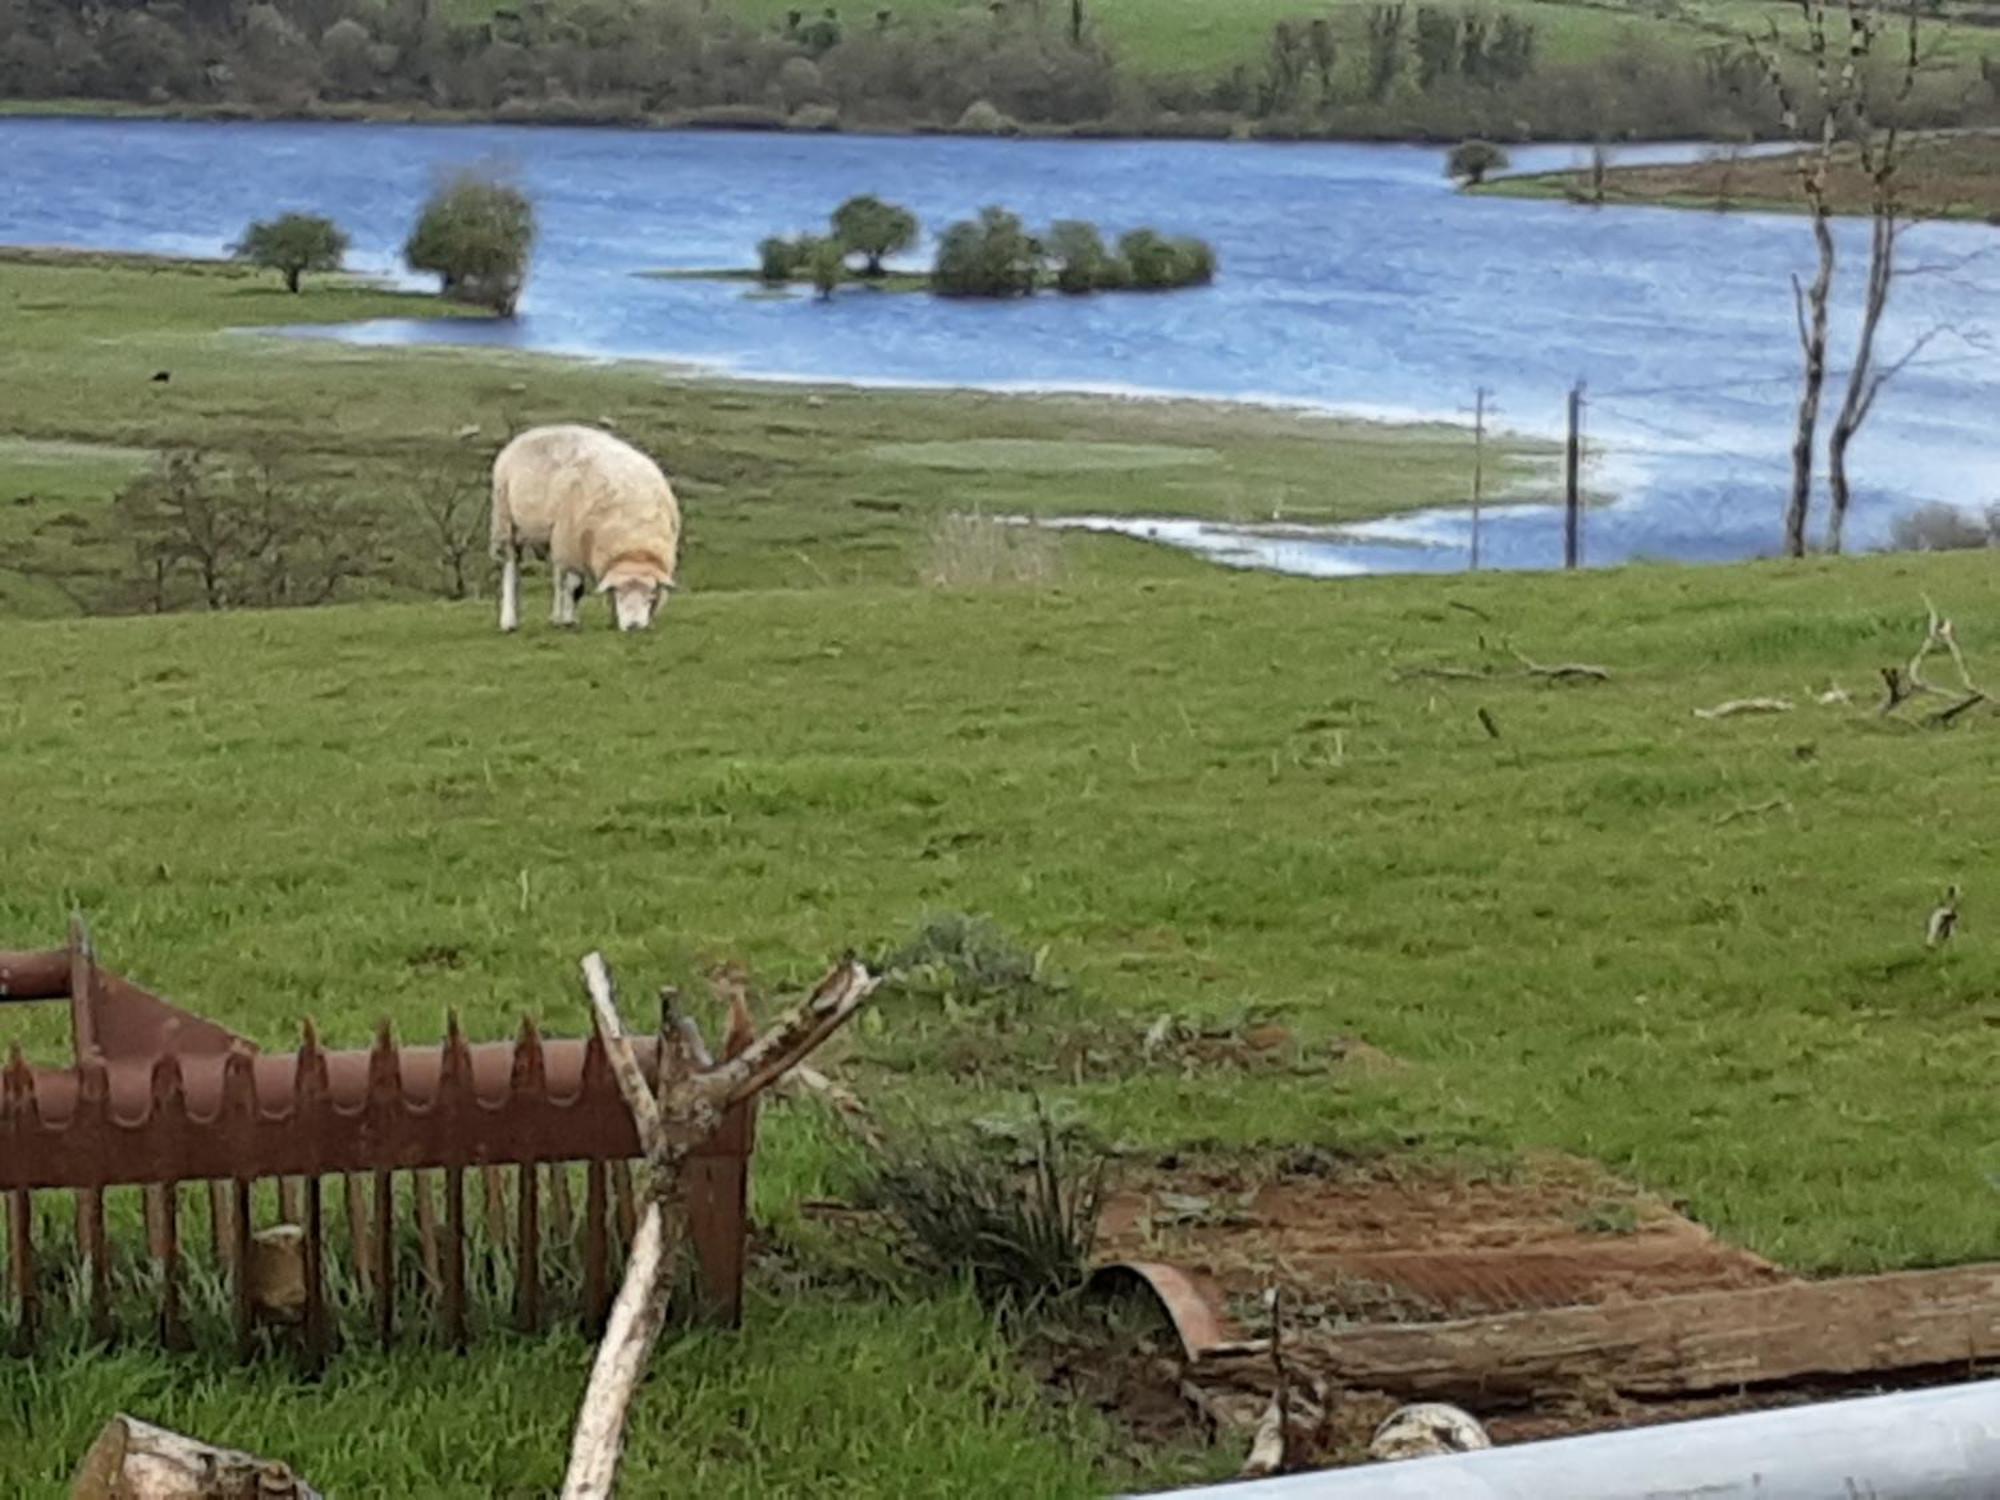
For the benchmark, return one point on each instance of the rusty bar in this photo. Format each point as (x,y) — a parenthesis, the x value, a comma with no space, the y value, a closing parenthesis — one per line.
(716,1189)
(21,1252)
(528,1268)
(96,1248)
(314,1215)
(529,1081)
(385,1258)
(163,1206)
(454,1257)
(82,990)
(596,1262)
(628,1209)
(222,1241)
(34,976)
(240,1220)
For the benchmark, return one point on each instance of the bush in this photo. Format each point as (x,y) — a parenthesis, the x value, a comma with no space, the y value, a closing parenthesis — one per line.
(826,263)
(1081,261)
(475,234)
(292,245)
(1471,161)
(779,259)
(981,118)
(991,256)
(868,227)
(1938,527)
(1021,1237)
(1157,263)
(968,960)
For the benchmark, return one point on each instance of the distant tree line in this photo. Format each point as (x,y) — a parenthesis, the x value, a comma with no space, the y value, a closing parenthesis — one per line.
(993,255)
(1390,70)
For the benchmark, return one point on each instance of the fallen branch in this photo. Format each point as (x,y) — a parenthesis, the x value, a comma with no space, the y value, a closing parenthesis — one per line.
(134,1460)
(1943,717)
(1567,671)
(1737,706)
(685,1106)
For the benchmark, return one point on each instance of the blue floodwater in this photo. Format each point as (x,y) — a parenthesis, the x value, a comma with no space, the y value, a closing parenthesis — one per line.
(1354,278)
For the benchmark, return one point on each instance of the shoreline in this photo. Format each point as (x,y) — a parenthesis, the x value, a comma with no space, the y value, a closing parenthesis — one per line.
(1243,131)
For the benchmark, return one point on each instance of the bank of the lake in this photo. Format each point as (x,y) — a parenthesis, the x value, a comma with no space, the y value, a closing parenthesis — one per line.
(784,487)
(1942,177)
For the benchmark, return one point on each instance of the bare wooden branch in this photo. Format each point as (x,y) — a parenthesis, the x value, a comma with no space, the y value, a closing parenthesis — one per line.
(637,1317)
(1737,706)
(1943,921)
(134,1460)
(1776,804)
(624,1066)
(1562,671)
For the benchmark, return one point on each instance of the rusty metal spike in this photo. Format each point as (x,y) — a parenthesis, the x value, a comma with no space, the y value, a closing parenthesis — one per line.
(385,1069)
(169,1087)
(309,1072)
(530,1074)
(239,1086)
(455,1072)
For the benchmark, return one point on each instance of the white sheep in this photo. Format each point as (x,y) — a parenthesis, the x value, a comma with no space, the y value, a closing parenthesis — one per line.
(598,508)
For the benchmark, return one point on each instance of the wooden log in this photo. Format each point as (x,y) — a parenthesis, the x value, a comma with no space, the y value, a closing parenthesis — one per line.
(134,1460)
(1670,1346)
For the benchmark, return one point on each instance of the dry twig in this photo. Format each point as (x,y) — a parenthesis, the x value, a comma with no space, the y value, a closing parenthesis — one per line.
(1737,706)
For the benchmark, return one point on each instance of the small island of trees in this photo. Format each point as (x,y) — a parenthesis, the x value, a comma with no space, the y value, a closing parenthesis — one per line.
(994,255)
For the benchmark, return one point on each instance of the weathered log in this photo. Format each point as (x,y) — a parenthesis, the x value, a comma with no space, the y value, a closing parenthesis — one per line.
(134,1460)
(1670,1346)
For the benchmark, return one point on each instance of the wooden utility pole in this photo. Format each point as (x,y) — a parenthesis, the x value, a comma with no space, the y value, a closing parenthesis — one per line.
(1572,477)
(1478,469)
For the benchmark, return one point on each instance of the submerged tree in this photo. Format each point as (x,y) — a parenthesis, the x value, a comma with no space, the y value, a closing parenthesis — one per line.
(868,227)
(293,245)
(475,235)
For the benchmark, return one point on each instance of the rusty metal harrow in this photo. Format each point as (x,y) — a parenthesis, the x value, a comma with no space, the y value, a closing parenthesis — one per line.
(159,1099)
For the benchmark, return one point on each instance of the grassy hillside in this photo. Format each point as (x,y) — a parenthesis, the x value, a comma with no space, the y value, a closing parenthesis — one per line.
(1689,950)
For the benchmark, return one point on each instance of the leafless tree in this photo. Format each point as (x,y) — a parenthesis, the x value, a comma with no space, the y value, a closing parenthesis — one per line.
(448,503)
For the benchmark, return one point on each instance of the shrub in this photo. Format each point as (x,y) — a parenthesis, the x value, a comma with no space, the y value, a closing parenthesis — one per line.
(967,959)
(1021,1237)
(778,259)
(868,227)
(991,256)
(1081,261)
(1471,161)
(981,118)
(1157,263)
(292,245)
(826,262)
(475,235)
(1938,527)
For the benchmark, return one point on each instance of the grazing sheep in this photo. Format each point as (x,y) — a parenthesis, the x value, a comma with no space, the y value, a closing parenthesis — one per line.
(599,508)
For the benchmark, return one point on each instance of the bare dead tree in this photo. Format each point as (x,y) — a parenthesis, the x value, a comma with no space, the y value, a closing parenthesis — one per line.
(1879,145)
(448,504)
(1815,167)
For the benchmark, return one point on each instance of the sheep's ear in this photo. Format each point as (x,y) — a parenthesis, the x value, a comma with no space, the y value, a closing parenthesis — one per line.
(604,586)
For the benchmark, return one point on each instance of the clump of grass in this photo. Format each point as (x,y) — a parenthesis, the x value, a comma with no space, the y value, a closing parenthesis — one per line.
(965,551)
(1022,1235)
(964,960)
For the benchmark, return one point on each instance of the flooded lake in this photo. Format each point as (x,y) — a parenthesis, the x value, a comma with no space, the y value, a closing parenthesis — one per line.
(1354,279)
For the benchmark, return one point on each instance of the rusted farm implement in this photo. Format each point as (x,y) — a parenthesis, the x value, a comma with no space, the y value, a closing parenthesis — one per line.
(165,1103)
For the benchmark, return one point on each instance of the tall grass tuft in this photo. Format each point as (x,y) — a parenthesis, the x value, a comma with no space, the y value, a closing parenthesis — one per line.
(966,551)
(1023,1236)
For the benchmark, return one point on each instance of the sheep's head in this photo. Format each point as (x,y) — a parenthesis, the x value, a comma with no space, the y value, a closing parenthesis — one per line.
(636,586)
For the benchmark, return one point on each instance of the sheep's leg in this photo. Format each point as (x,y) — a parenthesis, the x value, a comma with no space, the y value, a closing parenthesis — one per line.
(569,594)
(510,588)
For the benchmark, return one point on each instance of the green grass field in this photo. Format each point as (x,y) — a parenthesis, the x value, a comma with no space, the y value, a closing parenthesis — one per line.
(1688,950)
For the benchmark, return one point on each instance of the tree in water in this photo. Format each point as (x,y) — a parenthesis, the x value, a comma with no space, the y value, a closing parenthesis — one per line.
(475,235)
(1471,161)
(293,245)
(868,227)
